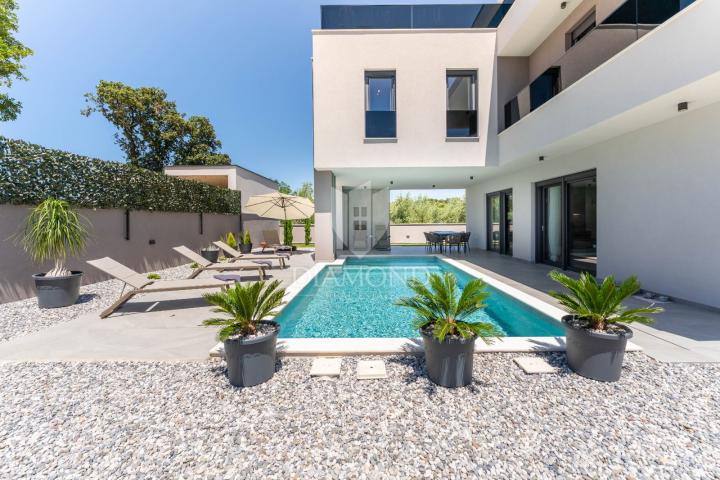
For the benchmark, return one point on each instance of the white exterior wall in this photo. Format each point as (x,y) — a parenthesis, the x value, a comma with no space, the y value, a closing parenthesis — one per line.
(420,59)
(658,200)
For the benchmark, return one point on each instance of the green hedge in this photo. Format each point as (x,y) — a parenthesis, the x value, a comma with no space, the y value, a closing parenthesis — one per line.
(30,173)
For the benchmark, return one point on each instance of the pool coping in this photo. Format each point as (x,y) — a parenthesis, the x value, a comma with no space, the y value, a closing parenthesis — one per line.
(413,345)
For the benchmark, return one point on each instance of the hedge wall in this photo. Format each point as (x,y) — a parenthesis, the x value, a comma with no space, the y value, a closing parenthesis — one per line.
(30,173)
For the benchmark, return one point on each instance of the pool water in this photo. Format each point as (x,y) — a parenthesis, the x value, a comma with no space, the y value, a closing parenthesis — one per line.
(356,300)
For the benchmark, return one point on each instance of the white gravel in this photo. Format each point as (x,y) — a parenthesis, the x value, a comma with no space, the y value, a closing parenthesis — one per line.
(183,420)
(24,316)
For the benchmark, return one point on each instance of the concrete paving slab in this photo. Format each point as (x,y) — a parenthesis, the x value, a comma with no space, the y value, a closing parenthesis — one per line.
(371,369)
(326,367)
(534,365)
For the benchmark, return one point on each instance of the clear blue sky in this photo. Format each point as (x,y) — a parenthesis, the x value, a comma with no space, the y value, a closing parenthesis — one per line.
(245,64)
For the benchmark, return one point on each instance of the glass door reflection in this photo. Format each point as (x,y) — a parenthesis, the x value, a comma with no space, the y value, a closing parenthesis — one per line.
(499,222)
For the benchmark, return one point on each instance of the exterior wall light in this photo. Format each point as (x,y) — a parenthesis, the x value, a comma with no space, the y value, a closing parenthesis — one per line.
(563,5)
(541,158)
(471,177)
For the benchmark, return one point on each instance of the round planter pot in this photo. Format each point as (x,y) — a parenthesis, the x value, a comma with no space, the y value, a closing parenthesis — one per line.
(210,255)
(251,362)
(449,363)
(56,292)
(246,247)
(595,355)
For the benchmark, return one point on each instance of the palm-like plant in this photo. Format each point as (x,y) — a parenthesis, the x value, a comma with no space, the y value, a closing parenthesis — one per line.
(246,305)
(52,231)
(442,307)
(600,304)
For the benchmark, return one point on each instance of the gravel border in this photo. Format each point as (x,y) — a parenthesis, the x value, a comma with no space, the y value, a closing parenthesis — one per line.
(183,420)
(24,316)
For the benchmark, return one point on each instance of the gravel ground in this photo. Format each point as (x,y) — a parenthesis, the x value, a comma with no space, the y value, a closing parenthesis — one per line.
(183,420)
(24,316)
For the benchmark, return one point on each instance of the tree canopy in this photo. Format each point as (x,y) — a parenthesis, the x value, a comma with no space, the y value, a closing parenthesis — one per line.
(151,132)
(12,53)
(406,209)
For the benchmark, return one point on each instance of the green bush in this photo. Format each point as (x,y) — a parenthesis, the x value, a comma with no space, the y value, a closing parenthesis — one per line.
(247,240)
(230,240)
(30,173)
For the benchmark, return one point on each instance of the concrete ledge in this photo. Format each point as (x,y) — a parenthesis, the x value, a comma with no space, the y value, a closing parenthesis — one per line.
(380,140)
(462,139)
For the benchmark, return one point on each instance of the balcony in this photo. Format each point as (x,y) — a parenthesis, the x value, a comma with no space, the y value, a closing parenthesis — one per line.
(628,23)
(334,17)
(380,124)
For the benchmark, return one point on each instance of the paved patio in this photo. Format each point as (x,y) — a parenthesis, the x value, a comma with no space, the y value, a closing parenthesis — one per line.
(683,333)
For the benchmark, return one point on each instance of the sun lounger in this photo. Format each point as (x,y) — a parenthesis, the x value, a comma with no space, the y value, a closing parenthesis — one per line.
(205,264)
(272,239)
(236,255)
(139,283)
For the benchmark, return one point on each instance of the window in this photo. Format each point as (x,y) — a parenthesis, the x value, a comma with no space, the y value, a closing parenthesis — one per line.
(380,118)
(461,104)
(581,30)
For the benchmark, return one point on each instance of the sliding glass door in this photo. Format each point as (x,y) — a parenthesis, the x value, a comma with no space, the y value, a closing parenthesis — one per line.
(500,222)
(567,222)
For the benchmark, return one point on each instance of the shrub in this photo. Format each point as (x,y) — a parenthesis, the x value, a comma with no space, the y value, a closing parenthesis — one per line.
(308,225)
(287,232)
(247,240)
(153,276)
(230,240)
(30,173)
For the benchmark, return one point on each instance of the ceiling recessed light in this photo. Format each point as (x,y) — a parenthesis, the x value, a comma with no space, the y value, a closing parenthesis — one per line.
(391,182)
(541,158)
(471,177)
(682,106)
(433,186)
(563,5)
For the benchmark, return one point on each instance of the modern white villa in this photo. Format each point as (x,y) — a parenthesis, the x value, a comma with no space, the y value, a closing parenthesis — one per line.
(585,132)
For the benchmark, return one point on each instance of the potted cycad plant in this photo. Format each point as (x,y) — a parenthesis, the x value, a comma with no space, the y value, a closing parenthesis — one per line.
(596,336)
(248,336)
(210,253)
(246,246)
(443,314)
(54,231)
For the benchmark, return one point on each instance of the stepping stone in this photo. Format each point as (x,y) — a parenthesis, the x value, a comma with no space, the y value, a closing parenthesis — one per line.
(532,365)
(371,369)
(326,367)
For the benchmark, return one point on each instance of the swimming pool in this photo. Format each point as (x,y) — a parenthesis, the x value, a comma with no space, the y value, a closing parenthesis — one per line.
(356,300)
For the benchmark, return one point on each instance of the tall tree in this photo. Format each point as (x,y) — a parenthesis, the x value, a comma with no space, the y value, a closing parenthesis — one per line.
(11,54)
(151,132)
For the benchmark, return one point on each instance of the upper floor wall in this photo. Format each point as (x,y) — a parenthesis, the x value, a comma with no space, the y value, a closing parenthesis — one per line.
(420,61)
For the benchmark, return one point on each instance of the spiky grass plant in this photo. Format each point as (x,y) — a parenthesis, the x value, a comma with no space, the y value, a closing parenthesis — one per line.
(53,231)
(230,240)
(247,240)
(446,309)
(246,305)
(600,304)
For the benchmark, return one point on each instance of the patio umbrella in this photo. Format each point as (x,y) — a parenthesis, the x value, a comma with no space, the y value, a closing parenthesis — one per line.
(280,206)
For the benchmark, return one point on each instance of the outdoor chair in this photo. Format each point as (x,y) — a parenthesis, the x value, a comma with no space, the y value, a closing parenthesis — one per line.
(428,243)
(139,283)
(205,264)
(454,240)
(466,241)
(272,239)
(436,241)
(235,255)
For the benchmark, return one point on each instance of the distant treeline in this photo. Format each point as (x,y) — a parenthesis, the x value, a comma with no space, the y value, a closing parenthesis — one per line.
(427,210)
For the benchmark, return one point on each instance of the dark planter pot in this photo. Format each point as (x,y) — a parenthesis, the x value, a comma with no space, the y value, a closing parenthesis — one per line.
(211,255)
(56,292)
(595,355)
(251,362)
(449,363)
(246,247)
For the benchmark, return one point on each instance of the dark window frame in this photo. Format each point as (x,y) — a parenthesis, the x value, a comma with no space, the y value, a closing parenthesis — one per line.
(385,74)
(581,29)
(505,246)
(540,246)
(472,121)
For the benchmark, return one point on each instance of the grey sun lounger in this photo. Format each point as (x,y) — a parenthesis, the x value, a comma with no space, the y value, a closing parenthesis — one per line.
(139,283)
(205,264)
(236,255)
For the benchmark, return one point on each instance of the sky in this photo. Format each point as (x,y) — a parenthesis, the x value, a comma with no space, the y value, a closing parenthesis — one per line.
(245,64)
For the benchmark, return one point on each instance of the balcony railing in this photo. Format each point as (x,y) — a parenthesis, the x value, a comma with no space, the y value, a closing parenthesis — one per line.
(380,124)
(623,27)
(462,123)
(413,16)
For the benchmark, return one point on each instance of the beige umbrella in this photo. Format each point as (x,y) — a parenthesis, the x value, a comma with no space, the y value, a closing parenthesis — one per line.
(280,206)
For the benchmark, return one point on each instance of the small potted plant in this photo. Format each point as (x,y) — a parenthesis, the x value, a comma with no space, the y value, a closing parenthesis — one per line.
(52,231)
(210,253)
(595,335)
(442,316)
(248,336)
(230,240)
(246,246)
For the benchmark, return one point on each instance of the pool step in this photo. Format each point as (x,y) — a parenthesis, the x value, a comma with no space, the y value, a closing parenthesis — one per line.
(371,369)
(535,365)
(326,367)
